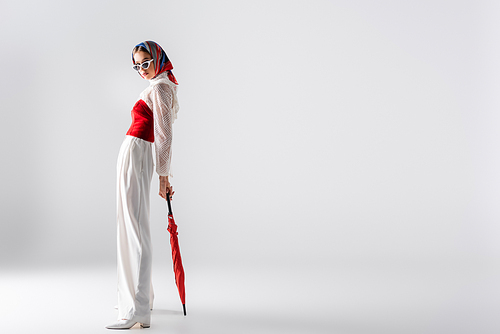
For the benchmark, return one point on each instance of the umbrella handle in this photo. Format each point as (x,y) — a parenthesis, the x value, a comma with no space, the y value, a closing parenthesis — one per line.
(168,203)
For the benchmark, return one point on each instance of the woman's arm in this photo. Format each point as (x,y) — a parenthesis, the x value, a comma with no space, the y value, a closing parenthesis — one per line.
(162,97)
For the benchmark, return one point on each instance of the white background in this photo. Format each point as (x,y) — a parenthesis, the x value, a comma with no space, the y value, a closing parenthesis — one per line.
(313,136)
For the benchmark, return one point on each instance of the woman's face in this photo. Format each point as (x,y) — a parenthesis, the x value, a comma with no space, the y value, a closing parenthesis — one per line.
(139,58)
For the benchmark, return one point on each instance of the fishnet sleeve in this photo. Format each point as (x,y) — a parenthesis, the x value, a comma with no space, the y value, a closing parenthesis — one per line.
(162,100)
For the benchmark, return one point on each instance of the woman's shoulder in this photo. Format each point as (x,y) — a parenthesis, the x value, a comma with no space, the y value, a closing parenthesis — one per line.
(164,89)
(164,84)
(162,81)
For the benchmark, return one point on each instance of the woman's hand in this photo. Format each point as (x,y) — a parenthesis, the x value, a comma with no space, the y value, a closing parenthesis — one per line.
(165,188)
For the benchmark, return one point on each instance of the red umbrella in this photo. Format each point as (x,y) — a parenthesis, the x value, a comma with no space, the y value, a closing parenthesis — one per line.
(176,255)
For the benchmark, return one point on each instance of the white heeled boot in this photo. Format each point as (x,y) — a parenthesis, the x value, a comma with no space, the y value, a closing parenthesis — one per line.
(126,324)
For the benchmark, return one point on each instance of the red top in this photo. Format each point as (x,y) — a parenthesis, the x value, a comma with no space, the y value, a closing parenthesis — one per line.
(142,122)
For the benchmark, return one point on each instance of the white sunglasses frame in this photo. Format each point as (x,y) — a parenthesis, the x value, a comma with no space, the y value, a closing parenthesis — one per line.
(140,65)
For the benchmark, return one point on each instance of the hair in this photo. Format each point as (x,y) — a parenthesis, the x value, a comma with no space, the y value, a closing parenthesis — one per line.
(139,48)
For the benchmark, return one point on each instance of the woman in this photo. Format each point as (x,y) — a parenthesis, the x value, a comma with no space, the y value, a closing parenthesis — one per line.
(152,118)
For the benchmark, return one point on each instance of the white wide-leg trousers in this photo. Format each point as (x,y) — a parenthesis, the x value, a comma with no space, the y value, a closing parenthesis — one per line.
(135,170)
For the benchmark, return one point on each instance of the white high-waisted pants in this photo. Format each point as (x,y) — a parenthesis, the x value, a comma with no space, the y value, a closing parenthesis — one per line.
(135,170)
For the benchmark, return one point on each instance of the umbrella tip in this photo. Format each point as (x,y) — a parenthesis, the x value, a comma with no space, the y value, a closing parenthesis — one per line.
(184,307)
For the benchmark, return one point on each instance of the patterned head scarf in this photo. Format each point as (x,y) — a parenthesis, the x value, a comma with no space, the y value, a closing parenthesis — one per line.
(160,59)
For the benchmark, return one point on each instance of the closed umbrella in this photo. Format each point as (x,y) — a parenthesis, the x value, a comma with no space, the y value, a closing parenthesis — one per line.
(176,255)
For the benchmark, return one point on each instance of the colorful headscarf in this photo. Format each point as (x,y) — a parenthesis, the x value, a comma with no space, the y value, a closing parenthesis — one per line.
(160,59)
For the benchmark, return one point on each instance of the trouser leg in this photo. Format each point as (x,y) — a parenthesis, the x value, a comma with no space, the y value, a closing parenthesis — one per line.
(135,169)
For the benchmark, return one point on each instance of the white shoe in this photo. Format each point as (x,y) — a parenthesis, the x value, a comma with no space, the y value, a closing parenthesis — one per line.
(126,324)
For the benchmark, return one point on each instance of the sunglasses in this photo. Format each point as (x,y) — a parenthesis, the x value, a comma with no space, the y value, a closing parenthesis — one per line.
(144,65)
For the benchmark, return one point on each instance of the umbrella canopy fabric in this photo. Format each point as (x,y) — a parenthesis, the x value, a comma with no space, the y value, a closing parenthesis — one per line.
(176,255)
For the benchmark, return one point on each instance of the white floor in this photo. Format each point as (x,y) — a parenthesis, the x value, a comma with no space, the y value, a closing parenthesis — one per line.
(336,298)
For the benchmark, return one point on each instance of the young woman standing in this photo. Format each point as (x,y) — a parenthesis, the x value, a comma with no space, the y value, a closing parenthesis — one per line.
(152,119)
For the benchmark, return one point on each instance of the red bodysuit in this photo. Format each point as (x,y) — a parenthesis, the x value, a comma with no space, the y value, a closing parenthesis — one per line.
(142,122)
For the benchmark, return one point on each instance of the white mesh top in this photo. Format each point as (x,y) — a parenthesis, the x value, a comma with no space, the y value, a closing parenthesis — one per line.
(161,98)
